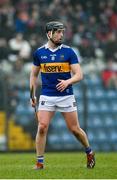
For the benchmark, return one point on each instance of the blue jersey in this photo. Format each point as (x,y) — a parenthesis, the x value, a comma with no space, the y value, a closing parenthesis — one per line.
(54,65)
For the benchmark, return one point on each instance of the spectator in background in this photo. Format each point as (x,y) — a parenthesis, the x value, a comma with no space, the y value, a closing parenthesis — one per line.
(113,20)
(21,5)
(17,80)
(19,47)
(92,26)
(18,77)
(111,47)
(69,33)
(33,23)
(79,34)
(21,22)
(109,75)
(34,41)
(7,12)
(81,14)
(4,51)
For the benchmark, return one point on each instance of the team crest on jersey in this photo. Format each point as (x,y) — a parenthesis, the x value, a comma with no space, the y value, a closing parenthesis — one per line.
(42,102)
(62,57)
(53,56)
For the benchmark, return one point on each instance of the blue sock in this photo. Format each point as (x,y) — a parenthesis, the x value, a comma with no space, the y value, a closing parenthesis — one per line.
(40,159)
(88,150)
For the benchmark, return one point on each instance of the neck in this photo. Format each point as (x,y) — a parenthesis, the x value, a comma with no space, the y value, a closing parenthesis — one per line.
(52,45)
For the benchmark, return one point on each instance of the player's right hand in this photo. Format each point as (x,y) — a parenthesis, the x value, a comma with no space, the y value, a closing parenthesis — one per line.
(33,102)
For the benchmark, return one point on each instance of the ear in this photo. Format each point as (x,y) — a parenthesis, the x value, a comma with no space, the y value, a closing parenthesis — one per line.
(49,34)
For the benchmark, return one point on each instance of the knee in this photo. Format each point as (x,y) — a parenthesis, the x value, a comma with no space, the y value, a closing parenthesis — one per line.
(42,129)
(75,130)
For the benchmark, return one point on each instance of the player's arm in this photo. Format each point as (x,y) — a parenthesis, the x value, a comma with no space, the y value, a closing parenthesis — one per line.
(77,76)
(33,83)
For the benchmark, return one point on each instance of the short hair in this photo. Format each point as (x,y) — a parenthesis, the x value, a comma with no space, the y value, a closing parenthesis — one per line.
(54,25)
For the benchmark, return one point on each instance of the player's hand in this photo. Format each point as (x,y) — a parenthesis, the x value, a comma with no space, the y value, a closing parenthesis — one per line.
(62,85)
(33,102)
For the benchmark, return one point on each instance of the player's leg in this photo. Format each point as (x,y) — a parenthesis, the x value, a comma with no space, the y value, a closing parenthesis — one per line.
(72,122)
(44,118)
(73,125)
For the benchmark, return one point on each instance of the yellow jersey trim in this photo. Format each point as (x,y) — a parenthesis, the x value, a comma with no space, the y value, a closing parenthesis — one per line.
(55,67)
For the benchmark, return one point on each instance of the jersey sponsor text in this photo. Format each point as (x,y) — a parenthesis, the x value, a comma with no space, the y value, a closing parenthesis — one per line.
(55,67)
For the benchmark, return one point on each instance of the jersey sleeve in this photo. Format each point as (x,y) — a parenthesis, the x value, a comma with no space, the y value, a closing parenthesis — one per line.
(36,60)
(73,57)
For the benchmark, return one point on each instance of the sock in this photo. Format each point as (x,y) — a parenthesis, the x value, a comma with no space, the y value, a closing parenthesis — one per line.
(40,159)
(88,150)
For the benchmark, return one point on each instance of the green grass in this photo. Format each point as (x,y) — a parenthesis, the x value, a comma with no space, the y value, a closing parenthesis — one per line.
(58,166)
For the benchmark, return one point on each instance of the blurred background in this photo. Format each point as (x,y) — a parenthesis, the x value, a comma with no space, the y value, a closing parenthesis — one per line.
(91,30)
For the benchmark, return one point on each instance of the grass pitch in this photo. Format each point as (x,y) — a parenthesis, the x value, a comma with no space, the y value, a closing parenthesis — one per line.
(58,166)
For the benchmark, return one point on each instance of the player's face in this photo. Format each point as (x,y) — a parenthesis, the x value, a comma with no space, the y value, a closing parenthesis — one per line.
(58,36)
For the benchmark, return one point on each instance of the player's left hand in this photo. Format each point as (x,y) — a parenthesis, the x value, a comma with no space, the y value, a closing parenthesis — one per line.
(62,85)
